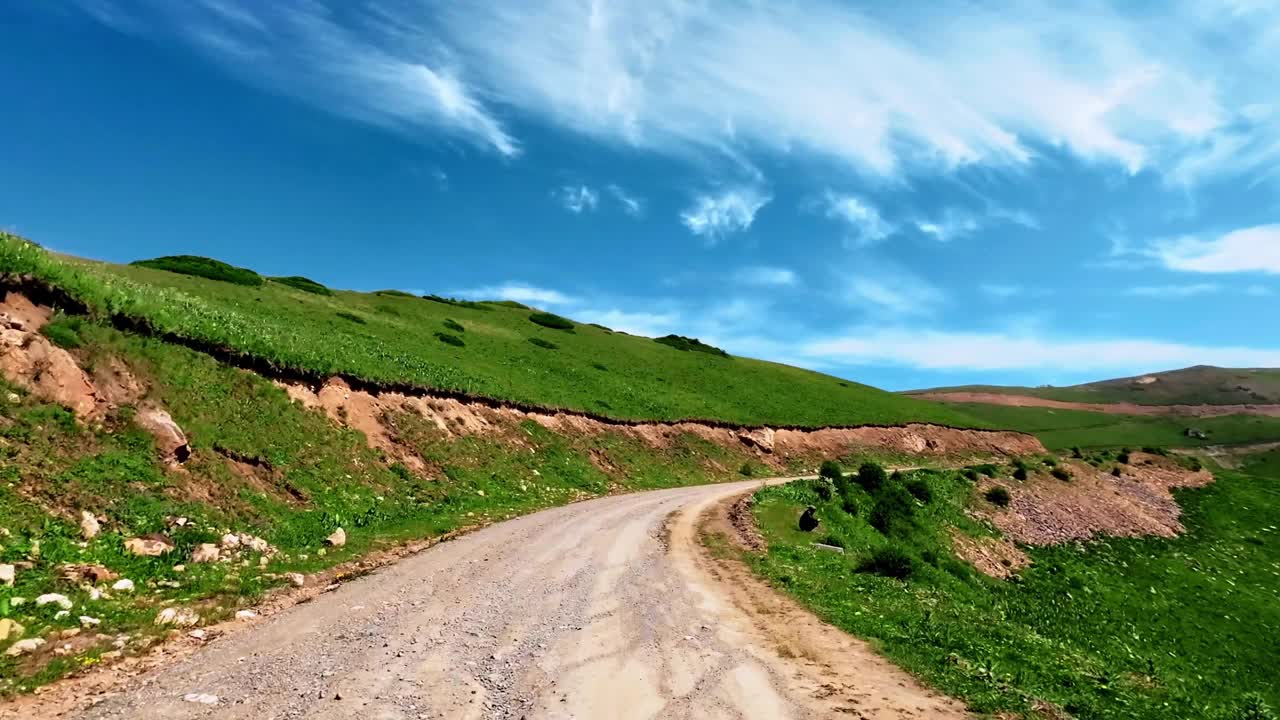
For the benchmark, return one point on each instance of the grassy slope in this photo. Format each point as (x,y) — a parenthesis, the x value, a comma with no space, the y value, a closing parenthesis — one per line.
(393,339)
(1059,429)
(1124,628)
(319,477)
(1200,385)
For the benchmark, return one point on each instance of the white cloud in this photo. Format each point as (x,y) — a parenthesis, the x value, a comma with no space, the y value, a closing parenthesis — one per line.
(631,204)
(897,293)
(766,276)
(373,68)
(730,211)
(865,225)
(578,198)
(953,224)
(1173,291)
(1254,249)
(949,350)
(648,324)
(1000,291)
(519,292)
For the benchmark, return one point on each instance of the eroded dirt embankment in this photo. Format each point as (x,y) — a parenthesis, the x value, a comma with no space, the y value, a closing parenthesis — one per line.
(1120,408)
(373,414)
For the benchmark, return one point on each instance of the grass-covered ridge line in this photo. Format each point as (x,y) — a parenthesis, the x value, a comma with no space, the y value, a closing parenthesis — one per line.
(1114,629)
(1061,429)
(278,329)
(203,267)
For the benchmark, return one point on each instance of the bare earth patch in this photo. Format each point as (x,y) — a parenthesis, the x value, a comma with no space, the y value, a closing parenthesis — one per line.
(1120,408)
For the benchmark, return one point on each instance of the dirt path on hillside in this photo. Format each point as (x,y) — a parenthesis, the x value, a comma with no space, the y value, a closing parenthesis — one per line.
(603,609)
(1113,408)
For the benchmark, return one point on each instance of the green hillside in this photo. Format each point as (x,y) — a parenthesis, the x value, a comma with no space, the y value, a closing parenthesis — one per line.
(1199,385)
(494,350)
(1060,429)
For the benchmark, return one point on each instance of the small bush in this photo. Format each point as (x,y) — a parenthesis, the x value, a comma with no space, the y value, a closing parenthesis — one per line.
(987,469)
(872,477)
(998,496)
(894,510)
(1020,473)
(1050,462)
(746,470)
(507,303)
(688,344)
(454,325)
(1123,457)
(469,304)
(544,344)
(832,540)
(601,327)
(555,322)
(1061,473)
(395,293)
(971,475)
(822,488)
(204,267)
(1155,451)
(63,331)
(351,317)
(1075,453)
(1116,471)
(1252,707)
(831,470)
(297,282)
(850,506)
(889,561)
(920,490)
(448,339)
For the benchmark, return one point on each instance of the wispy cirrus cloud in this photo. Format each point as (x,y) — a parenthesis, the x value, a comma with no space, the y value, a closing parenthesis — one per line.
(577,199)
(714,215)
(765,276)
(631,204)
(878,286)
(863,223)
(1173,291)
(1253,249)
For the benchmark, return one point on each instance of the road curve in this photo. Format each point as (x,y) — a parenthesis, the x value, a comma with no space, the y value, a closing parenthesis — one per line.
(601,609)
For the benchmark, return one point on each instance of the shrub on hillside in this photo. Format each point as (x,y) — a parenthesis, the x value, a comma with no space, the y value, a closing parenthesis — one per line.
(544,344)
(63,331)
(920,490)
(454,325)
(1061,473)
(548,320)
(507,303)
(998,496)
(831,470)
(850,506)
(395,293)
(1020,473)
(351,317)
(204,267)
(746,470)
(1252,707)
(469,304)
(448,339)
(971,475)
(1116,471)
(822,488)
(872,477)
(1123,458)
(689,344)
(1075,453)
(987,469)
(601,327)
(297,282)
(889,561)
(894,510)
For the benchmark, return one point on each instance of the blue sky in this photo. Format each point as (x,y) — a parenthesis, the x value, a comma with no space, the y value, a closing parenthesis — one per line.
(977,193)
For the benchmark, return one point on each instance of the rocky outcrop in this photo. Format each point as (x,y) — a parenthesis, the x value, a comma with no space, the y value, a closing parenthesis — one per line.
(170,440)
(149,545)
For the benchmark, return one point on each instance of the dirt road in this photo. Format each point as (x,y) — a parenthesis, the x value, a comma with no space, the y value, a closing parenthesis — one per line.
(605,609)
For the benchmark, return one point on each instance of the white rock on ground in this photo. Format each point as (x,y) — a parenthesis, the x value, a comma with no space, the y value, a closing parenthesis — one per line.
(61,601)
(206,553)
(230,541)
(337,539)
(149,546)
(246,614)
(123,585)
(87,621)
(22,647)
(296,579)
(10,628)
(89,527)
(7,574)
(181,617)
(201,698)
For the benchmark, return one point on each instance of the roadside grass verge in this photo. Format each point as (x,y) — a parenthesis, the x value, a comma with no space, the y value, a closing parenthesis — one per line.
(395,345)
(1140,628)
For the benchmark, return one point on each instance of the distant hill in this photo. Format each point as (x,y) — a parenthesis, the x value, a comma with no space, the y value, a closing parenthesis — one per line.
(1198,385)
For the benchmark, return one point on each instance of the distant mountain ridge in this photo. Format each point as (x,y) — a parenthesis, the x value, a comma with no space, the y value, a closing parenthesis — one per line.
(1196,385)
